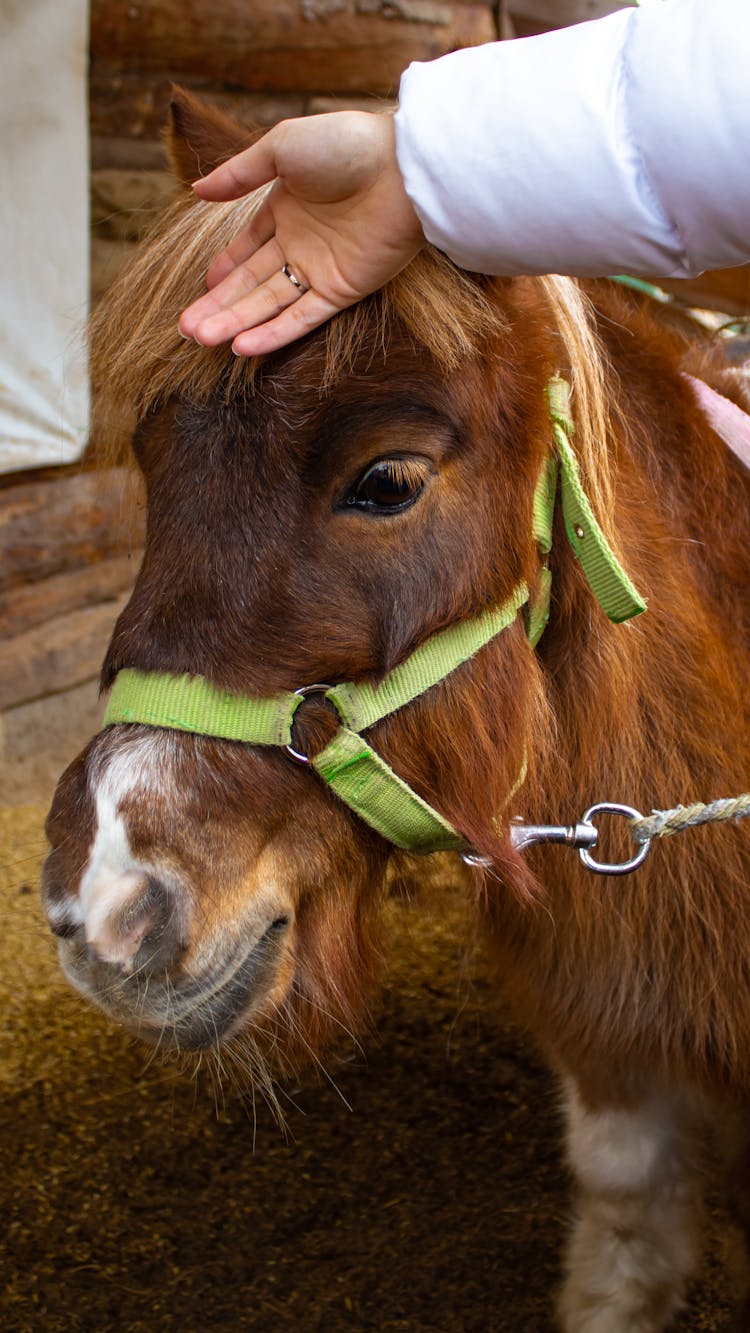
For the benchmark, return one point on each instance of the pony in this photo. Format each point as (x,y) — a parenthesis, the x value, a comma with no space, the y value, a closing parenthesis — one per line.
(317,516)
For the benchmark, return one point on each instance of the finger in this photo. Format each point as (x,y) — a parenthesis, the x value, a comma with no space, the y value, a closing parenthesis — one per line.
(258,231)
(242,173)
(264,303)
(304,315)
(235,287)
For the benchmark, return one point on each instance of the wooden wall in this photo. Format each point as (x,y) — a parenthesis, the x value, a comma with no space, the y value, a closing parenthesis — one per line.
(264,59)
(70,539)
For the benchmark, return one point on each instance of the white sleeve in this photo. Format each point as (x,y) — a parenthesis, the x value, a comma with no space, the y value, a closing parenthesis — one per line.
(620,145)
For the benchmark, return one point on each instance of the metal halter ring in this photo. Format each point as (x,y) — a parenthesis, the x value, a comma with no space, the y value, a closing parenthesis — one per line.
(294,279)
(618,868)
(303,692)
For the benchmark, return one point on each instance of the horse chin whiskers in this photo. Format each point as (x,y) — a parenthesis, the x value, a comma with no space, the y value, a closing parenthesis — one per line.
(196,1007)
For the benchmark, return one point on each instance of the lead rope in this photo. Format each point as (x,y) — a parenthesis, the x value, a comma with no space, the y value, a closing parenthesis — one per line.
(644,828)
(663,823)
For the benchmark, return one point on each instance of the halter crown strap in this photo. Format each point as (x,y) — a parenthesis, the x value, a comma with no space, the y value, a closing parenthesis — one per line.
(348,764)
(606,576)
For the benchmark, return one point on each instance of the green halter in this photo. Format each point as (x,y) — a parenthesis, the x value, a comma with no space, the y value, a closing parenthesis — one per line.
(348,764)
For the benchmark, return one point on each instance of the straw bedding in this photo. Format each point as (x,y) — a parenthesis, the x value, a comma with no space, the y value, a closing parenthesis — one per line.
(140,1197)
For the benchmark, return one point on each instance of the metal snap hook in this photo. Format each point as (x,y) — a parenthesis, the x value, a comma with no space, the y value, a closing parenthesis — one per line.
(582,835)
(523,835)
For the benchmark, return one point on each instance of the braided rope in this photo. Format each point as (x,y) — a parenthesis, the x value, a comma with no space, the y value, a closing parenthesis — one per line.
(662,823)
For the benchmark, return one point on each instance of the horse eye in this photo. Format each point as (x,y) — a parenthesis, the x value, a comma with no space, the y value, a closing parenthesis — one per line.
(389,485)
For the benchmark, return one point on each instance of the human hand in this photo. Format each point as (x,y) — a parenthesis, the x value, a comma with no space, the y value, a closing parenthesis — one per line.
(337,216)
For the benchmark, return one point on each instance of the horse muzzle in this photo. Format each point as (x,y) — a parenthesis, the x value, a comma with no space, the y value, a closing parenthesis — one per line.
(177,1009)
(135,949)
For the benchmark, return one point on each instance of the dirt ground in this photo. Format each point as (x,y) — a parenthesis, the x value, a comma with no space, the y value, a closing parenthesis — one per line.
(417,1187)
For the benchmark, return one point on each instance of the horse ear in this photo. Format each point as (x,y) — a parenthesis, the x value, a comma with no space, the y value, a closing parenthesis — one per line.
(199,137)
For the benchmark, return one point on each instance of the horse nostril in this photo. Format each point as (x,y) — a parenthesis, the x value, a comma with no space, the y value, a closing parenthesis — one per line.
(280,923)
(61,908)
(66,930)
(117,936)
(148,931)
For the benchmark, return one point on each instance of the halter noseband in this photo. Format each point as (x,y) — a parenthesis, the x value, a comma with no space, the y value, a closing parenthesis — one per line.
(348,764)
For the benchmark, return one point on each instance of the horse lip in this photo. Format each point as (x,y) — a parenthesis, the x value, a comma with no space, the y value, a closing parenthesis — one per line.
(194,1016)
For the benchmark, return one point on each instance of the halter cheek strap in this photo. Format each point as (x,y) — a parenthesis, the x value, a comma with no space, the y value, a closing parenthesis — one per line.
(348,764)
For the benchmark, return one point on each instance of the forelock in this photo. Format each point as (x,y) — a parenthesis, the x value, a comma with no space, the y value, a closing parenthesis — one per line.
(139,360)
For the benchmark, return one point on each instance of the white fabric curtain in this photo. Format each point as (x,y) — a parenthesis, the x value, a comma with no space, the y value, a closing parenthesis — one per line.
(44,241)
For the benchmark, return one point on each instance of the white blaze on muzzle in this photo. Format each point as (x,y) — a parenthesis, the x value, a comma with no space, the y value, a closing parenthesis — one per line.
(114,880)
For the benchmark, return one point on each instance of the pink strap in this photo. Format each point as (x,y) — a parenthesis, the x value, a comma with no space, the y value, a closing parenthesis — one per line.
(726,418)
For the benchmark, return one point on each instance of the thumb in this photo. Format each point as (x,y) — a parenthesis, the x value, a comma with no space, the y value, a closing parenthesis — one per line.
(246,171)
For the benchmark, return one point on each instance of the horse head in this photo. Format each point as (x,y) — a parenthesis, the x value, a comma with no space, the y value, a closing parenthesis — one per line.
(312,517)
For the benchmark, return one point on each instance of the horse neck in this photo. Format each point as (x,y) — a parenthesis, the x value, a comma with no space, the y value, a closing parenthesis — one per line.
(651,713)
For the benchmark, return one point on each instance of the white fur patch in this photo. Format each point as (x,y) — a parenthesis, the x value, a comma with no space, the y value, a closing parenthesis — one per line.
(113,874)
(61,914)
(618,1149)
(634,1244)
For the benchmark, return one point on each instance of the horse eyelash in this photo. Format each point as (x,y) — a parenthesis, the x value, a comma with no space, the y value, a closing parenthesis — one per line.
(407,472)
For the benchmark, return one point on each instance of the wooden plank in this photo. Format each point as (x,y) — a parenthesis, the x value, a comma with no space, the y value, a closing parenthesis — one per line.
(125,203)
(47,527)
(108,259)
(561,13)
(130,105)
(129,110)
(280,46)
(56,656)
(109,150)
(39,739)
(321,105)
(33,604)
